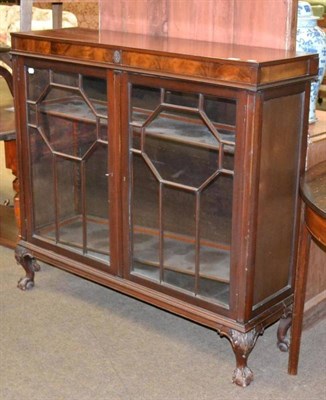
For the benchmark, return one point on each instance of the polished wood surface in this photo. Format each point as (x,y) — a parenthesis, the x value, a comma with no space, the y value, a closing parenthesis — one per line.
(250,22)
(315,306)
(313,190)
(316,224)
(251,67)
(7,123)
(8,228)
(266,95)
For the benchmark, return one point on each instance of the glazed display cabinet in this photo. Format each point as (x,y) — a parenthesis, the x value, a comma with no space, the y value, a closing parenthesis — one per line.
(165,169)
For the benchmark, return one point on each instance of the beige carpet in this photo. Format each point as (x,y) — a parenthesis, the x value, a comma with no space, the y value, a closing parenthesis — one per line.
(70,339)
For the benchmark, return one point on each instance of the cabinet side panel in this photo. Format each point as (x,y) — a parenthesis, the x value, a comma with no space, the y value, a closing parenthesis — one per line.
(278,185)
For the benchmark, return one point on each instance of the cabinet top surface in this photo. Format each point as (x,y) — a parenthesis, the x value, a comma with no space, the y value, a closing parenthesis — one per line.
(210,60)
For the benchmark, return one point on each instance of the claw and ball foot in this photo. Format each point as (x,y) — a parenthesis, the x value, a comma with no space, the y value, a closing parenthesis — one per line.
(30,265)
(242,345)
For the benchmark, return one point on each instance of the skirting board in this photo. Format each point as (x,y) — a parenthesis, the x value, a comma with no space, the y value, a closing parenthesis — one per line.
(314,310)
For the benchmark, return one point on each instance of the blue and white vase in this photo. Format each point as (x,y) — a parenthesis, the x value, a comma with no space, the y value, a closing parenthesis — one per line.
(311,39)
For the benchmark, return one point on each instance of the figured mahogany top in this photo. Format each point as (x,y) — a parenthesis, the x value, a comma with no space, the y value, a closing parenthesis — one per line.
(243,66)
(313,188)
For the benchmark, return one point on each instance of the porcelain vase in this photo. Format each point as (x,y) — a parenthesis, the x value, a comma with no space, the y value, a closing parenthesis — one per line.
(311,39)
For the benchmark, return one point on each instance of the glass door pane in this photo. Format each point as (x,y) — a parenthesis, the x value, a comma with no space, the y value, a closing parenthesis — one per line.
(68,137)
(182,149)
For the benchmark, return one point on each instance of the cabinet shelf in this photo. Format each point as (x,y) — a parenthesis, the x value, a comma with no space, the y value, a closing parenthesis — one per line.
(179,255)
(70,232)
(209,289)
(74,108)
(187,131)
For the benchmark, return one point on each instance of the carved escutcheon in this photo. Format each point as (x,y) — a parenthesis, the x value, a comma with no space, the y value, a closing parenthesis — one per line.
(117,56)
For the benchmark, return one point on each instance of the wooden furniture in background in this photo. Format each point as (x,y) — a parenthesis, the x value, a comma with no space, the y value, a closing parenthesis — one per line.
(159,167)
(8,219)
(315,307)
(269,24)
(8,226)
(313,190)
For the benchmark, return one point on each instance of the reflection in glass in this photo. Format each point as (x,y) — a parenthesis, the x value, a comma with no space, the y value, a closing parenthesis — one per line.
(42,183)
(65,78)
(68,133)
(37,82)
(181,98)
(176,127)
(220,110)
(66,103)
(69,202)
(176,162)
(179,238)
(96,190)
(182,154)
(31,111)
(143,100)
(95,91)
(145,239)
(103,129)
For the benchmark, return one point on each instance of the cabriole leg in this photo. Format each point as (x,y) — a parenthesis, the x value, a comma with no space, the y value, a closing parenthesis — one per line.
(30,265)
(283,341)
(242,345)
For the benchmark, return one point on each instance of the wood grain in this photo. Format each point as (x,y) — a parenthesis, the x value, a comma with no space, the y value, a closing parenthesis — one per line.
(210,61)
(251,22)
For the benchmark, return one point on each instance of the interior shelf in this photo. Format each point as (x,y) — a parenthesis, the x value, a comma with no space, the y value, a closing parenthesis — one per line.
(184,131)
(179,256)
(74,108)
(70,233)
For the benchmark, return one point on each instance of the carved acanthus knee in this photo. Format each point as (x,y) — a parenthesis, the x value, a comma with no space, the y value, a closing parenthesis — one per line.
(242,345)
(25,258)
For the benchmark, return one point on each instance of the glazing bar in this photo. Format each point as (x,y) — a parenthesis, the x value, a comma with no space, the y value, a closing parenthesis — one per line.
(201,102)
(83,204)
(176,107)
(56,198)
(162,95)
(176,185)
(63,86)
(221,156)
(197,243)
(161,233)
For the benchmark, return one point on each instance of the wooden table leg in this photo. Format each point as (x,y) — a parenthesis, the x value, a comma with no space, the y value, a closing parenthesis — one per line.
(299,298)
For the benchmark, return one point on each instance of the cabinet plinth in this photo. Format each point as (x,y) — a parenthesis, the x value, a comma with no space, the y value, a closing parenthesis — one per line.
(165,169)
